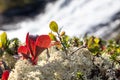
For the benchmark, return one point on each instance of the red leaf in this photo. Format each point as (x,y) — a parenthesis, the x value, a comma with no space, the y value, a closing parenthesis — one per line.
(5,75)
(27,40)
(38,52)
(43,41)
(32,47)
(28,44)
(34,60)
(24,51)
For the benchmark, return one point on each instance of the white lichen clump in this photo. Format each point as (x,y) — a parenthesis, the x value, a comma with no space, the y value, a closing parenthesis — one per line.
(58,67)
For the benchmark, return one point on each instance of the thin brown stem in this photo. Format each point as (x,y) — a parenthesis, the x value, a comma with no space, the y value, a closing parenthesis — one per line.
(77,49)
(48,55)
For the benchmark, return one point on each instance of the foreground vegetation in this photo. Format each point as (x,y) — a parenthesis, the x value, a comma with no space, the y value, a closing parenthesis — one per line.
(103,53)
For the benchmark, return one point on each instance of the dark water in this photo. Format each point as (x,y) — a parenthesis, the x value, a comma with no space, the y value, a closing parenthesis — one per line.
(17,14)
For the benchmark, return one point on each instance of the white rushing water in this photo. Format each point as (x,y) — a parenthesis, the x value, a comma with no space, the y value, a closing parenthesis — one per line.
(75,16)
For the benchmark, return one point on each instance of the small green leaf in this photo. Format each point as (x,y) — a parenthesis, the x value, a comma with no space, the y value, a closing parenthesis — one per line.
(53,26)
(3,38)
(79,76)
(52,36)
(62,33)
(118,50)
(90,41)
(97,40)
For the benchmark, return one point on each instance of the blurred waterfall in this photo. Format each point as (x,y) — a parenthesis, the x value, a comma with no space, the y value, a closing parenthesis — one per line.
(77,17)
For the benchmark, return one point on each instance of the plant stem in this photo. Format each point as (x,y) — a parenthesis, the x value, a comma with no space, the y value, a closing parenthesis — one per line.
(48,55)
(62,43)
(77,50)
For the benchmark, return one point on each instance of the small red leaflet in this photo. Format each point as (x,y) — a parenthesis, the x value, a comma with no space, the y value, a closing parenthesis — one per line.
(5,75)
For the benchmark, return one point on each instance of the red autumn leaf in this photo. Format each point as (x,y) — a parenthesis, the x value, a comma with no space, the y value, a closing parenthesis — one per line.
(34,60)
(43,41)
(38,52)
(34,46)
(24,51)
(28,44)
(5,75)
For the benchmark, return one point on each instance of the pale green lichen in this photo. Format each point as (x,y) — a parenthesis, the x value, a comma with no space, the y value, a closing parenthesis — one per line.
(58,67)
(64,67)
